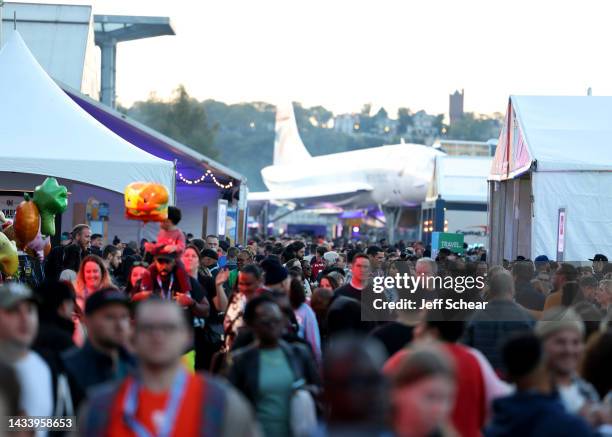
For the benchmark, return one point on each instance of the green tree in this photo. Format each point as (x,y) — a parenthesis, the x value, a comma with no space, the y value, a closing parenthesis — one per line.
(475,127)
(182,118)
(438,123)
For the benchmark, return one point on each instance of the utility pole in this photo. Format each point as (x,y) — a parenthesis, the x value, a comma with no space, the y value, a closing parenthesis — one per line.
(1,7)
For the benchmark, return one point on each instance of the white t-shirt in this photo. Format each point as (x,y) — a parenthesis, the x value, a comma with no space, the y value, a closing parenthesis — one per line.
(571,397)
(36,386)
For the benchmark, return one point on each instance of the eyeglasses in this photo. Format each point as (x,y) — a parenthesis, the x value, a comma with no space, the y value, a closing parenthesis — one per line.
(140,264)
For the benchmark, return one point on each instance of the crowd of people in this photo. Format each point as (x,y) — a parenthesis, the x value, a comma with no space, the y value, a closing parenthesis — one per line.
(190,336)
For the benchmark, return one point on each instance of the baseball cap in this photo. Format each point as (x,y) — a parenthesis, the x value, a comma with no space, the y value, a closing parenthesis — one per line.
(541,258)
(105,297)
(12,293)
(599,257)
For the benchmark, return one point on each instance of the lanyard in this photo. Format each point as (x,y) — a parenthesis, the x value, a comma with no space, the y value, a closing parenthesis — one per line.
(170,412)
(165,295)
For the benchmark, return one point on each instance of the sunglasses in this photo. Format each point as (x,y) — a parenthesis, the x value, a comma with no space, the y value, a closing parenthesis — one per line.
(163,260)
(140,264)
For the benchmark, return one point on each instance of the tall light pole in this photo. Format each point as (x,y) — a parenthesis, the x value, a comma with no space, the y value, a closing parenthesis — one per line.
(1,7)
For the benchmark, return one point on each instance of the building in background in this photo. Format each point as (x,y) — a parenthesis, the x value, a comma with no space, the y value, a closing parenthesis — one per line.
(346,123)
(455,106)
(61,38)
(423,128)
(467,148)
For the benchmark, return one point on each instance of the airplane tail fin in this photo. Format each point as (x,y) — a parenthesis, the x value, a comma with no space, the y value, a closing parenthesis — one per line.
(288,146)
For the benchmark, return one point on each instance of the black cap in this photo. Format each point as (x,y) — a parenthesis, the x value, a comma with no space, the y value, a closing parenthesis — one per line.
(210,254)
(104,297)
(274,272)
(224,245)
(599,257)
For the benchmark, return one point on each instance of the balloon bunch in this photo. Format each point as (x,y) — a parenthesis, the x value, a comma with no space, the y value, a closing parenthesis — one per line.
(9,261)
(33,225)
(146,201)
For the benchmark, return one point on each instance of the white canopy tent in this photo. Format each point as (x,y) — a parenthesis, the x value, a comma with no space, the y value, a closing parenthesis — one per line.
(460,179)
(459,190)
(43,132)
(550,183)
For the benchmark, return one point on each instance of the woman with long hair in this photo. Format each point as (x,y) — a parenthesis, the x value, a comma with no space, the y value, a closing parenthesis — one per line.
(92,276)
(328,282)
(138,276)
(571,294)
(208,338)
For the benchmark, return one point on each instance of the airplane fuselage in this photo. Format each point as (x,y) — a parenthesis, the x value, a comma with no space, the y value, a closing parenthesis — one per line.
(399,175)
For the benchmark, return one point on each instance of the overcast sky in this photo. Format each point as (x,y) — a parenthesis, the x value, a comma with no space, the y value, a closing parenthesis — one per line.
(343,53)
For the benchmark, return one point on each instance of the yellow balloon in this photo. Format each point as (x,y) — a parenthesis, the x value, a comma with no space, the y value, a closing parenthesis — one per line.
(9,261)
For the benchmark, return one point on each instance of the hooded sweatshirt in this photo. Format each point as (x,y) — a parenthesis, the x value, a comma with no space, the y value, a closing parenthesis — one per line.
(529,413)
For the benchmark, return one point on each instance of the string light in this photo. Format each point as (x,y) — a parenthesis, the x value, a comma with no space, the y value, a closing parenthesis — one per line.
(203,178)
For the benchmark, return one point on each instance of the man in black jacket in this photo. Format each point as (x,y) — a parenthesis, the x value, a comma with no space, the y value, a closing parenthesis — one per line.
(103,357)
(69,256)
(525,294)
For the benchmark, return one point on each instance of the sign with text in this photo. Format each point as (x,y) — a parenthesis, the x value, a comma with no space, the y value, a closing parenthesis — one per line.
(221,217)
(452,242)
(9,203)
(561,228)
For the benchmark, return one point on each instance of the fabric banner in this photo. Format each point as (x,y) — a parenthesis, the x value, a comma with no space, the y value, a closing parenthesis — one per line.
(512,156)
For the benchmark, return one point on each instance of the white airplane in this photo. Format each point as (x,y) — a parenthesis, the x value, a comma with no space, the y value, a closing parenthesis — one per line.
(387,177)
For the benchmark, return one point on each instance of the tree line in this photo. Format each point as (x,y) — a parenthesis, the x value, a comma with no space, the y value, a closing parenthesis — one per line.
(241,136)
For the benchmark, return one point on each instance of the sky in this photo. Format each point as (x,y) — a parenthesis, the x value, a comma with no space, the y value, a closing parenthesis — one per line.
(343,53)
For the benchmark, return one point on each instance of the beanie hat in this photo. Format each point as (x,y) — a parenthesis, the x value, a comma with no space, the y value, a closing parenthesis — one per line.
(209,253)
(558,319)
(275,273)
(331,257)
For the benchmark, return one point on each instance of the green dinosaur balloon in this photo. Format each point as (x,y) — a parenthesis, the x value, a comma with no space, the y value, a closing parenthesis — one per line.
(51,199)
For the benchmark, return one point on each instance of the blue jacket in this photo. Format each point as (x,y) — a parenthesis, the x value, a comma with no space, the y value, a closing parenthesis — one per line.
(527,414)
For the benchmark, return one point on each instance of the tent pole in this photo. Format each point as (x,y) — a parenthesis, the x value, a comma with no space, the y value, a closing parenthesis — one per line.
(1,8)
(174,184)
